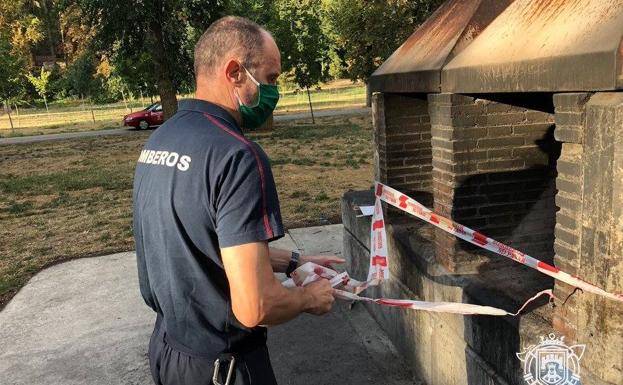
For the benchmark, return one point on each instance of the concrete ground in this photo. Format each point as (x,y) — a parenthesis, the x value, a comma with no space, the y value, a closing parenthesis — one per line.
(84,322)
(126,131)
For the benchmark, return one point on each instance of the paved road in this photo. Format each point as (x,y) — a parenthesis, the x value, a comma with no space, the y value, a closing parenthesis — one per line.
(83,322)
(126,131)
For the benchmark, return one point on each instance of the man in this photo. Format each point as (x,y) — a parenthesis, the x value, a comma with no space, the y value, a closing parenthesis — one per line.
(205,207)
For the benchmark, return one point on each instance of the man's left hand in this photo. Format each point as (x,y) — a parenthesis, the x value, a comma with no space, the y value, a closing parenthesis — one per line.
(323,260)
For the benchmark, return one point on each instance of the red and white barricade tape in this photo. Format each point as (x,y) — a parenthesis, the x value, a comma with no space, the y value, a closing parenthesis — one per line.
(411,206)
(348,288)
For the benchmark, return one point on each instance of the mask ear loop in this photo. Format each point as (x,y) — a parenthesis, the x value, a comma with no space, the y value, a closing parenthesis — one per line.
(251,76)
(259,90)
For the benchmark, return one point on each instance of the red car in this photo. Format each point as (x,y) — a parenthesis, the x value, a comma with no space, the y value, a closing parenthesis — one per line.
(149,117)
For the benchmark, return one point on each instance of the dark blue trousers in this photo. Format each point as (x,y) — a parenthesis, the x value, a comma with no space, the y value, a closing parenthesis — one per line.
(173,364)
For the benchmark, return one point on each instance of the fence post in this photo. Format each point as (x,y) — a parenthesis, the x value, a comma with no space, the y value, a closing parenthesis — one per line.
(124,101)
(310,106)
(18,119)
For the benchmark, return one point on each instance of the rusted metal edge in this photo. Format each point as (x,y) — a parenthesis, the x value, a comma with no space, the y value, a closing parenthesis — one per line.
(619,59)
(450,29)
(569,73)
(418,81)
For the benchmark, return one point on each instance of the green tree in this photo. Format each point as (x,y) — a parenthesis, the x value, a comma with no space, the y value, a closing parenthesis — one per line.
(301,39)
(21,28)
(83,78)
(11,86)
(137,72)
(47,11)
(259,11)
(299,33)
(76,33)
(41,84)
(81,75)
(365,32)
(163,29)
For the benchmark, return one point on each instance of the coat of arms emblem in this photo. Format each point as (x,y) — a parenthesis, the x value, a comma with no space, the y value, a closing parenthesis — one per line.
(552,362)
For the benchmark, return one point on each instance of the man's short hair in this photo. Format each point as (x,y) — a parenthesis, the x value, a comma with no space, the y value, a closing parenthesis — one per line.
(226,35)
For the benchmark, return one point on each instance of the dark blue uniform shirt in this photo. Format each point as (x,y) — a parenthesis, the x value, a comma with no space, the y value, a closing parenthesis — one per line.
(200,185)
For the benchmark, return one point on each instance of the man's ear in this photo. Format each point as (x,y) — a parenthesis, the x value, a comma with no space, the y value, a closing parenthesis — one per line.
(234,72)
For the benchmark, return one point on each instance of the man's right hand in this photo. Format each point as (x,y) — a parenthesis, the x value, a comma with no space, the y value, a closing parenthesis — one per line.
(321,297)
(258,298)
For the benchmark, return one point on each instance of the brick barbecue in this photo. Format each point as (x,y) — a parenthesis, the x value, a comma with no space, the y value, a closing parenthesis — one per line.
(506,116)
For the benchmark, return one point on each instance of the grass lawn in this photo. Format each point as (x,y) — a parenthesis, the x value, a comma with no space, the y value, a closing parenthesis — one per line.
(60,128)
(67,199)
(79,118)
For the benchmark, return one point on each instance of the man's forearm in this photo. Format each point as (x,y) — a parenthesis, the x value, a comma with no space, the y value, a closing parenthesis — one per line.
(279,259)
(258,298)
(285,303)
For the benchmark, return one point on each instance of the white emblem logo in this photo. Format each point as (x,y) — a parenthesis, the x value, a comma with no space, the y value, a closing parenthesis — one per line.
(551,362)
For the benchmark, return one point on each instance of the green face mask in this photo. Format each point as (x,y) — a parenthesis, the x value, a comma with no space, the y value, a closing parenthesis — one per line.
(267,98)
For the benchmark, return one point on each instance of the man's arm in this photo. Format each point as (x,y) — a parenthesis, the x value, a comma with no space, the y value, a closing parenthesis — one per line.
(279,259)
(258,298)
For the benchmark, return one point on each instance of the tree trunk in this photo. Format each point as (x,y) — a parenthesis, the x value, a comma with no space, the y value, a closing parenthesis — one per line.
(63,45)
(124,101)
(130,98)
(45,100)
(164,73)
(7,106)
(48,27)
(142,99)
(310,106)
(92,113)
